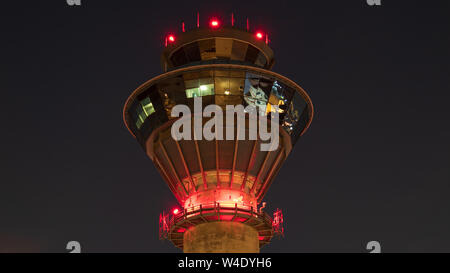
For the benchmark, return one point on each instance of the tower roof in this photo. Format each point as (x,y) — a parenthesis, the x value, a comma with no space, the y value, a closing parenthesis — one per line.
(221,45)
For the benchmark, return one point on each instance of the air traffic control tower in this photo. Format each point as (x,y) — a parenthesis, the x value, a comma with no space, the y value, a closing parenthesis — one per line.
(219,184)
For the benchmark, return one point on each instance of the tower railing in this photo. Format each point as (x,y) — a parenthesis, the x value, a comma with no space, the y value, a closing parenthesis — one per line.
(173,226)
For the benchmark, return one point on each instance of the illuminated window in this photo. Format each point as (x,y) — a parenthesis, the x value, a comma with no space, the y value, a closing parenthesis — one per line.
(202,90)
(147,106)
(144,110)
(139,122)
(257,90)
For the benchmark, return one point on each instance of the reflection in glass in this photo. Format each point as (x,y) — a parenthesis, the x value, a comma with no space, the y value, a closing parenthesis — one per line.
(256,91)
(144,110)
(281,96)
(218,49)
(202,90)
(295,109)
(222,87)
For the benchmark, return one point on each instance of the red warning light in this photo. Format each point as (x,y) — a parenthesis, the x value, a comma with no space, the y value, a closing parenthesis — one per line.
(175,211)
(214,23)
(259,35)
(171,38)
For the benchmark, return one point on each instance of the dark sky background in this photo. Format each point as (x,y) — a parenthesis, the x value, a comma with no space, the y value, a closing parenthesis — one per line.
(374,165)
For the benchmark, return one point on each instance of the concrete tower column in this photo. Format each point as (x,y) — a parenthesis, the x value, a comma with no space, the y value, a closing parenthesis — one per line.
(221,237)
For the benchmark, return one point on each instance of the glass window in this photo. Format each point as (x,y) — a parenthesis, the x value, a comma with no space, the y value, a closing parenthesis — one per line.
(252,54)
(238,51)
(207,89)
(179,57)
(261,60)
(207,49)
(144,109)
(294,111)
(147,106)
(139,122)
(192,93)
(224,47)
(192,52)
(197,87)
(256,91)
(228,87)
(202,90)
(222,85)
(140,118)
(281,96)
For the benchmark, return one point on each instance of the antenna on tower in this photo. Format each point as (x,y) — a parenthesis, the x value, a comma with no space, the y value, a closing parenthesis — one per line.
(248,25)
(182,27)
(198,19)
(232,19)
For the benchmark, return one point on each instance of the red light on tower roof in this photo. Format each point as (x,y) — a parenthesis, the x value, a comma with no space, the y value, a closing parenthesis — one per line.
(171,38)
(214,23)
(175,211)
(259,35)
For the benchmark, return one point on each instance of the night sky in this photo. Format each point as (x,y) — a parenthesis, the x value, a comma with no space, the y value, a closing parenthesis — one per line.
(374,165)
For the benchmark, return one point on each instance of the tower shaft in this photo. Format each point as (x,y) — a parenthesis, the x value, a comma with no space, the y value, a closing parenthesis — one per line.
(221,237)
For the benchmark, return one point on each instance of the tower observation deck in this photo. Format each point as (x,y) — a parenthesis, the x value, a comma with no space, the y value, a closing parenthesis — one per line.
(219,183)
